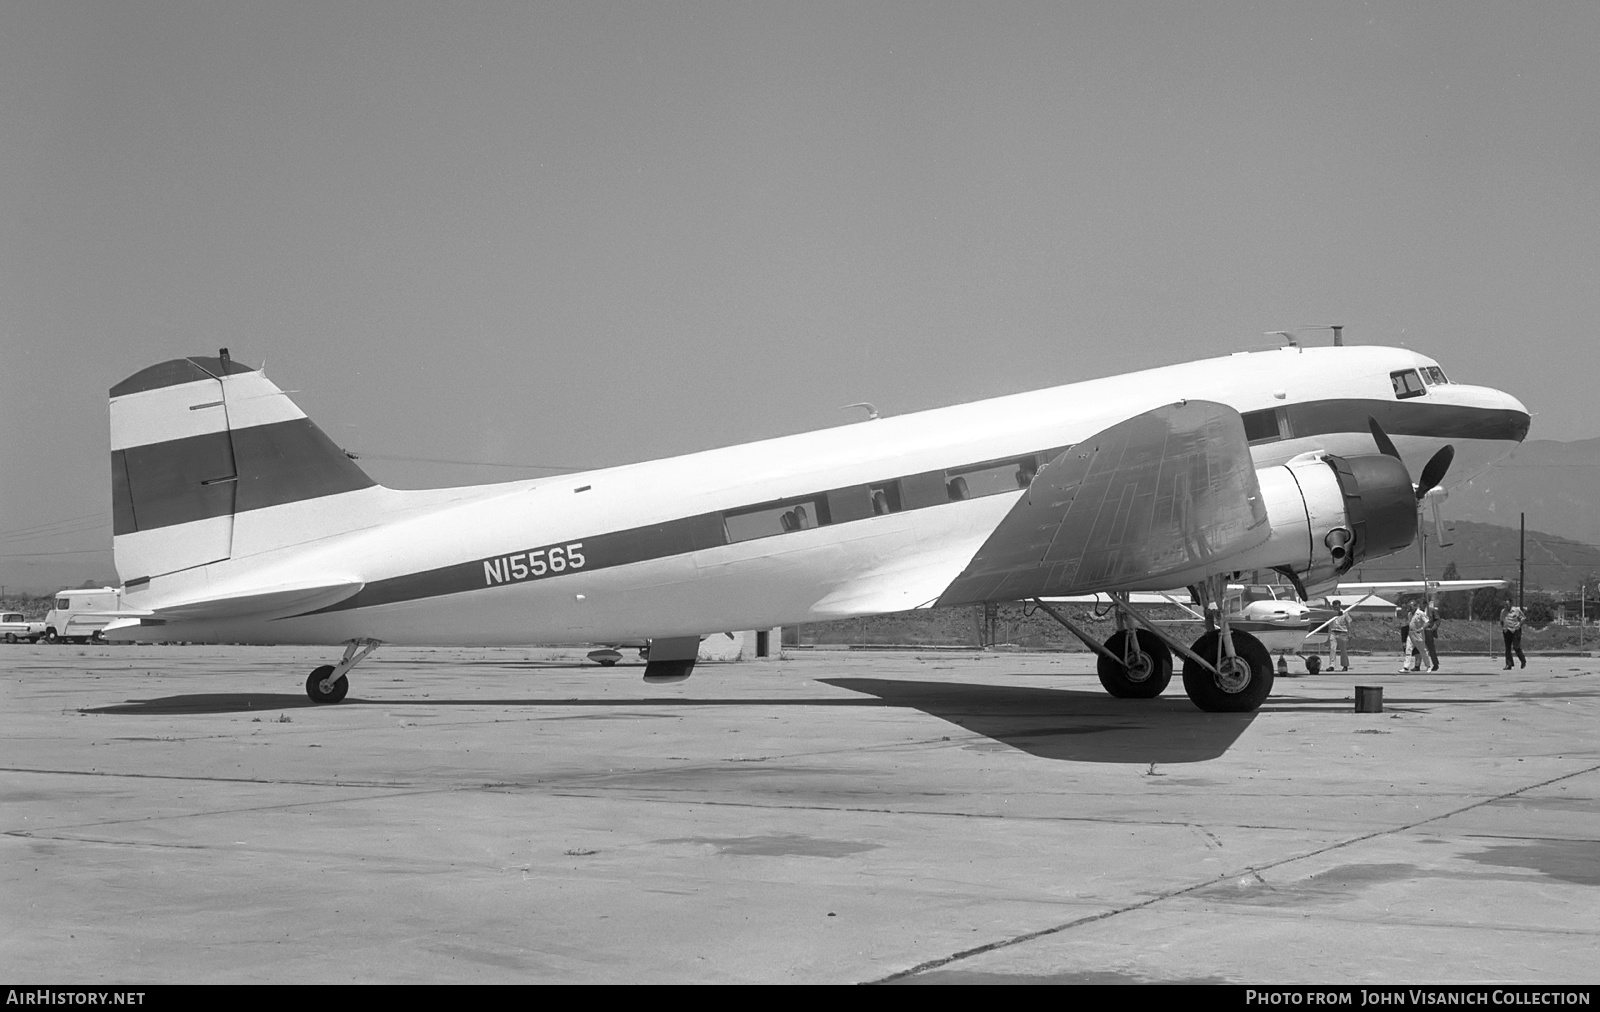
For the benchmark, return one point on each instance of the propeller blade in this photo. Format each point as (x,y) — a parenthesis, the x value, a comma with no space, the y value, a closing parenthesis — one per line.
(1385,444)
(1441,533)
(1433,471)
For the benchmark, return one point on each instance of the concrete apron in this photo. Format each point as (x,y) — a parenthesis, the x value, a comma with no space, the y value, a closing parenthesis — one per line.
(185,814)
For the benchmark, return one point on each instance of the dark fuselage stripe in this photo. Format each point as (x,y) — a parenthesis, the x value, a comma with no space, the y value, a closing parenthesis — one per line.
(1406,418)
(600,551)
(219,473)
(689,534)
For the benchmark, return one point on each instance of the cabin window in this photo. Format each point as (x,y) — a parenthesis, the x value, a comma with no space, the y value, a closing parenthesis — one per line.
(772,519)
(927,489)
(1434,375)
(1262,426)
(991,478)
(847,504)
(1407,384)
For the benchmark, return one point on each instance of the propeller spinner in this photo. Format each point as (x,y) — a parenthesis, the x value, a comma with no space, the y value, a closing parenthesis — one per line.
(1433,471)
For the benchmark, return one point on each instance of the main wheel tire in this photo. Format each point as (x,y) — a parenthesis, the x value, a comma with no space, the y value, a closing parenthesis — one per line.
(1150,672)
(315,690)
(1243,681)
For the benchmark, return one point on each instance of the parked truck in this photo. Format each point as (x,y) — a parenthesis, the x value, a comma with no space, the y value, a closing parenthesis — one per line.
(14,626)
(81,615)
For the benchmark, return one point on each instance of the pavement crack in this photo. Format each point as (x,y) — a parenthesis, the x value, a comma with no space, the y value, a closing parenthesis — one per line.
(1252,870)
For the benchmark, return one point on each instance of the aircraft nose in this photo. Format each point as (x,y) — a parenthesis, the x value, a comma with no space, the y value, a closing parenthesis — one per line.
(1499,416)
(1518,419)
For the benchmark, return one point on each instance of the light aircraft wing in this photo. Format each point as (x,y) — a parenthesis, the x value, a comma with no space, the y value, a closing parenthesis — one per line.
(1409,586)
(1156,495)
(1178,597)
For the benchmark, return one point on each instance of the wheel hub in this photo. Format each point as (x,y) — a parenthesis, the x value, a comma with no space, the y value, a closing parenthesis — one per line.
(1139,667)
(1233,674)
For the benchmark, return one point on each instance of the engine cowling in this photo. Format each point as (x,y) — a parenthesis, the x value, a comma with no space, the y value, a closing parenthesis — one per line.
(1329,513)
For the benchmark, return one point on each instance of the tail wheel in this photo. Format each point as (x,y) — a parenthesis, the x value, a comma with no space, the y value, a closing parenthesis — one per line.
(330,694)
(1241,683)
(1147,672)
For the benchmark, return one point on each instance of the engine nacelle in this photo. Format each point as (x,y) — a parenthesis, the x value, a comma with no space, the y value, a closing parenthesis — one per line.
(1329,513)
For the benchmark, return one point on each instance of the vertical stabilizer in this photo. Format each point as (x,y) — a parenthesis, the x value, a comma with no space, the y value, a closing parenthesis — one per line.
(199,443)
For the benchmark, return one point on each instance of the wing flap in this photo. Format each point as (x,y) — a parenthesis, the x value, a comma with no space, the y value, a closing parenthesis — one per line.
(1158,494)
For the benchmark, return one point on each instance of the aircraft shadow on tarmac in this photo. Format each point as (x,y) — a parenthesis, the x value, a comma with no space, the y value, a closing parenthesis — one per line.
(1060,724)
(1077,726)
(261,702)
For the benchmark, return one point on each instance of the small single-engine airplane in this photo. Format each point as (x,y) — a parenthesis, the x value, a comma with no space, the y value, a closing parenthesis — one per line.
(237,520)
(1276,614)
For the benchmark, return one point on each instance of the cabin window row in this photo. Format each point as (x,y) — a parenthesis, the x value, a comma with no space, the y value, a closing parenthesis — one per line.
(859,502)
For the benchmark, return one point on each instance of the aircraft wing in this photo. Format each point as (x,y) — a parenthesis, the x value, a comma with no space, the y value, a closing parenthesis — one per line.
(900,587)
(1156,495)
(258,601)
(1409,586)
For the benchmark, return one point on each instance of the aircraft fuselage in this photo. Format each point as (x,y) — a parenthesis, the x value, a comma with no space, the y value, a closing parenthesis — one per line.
(870,517)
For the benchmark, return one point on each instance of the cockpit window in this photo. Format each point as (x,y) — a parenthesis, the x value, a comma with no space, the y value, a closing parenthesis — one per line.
(1407,384)
(1434,375)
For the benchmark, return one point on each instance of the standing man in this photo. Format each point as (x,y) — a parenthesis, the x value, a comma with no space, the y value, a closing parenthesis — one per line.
(1339,632)
(1404,622)
(1430,631)
(1511,629)
(1419,622)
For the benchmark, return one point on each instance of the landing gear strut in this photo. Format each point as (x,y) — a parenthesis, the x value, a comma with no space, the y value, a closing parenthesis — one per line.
(1236,683)
(1224,671)
(328,683)
(1146,665)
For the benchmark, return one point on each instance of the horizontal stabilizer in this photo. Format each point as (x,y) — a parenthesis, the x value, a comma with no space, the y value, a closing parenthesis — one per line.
(260,601)
(1162,493)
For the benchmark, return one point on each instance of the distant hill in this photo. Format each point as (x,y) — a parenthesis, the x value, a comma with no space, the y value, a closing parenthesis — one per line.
(1489,551)
(1556,484)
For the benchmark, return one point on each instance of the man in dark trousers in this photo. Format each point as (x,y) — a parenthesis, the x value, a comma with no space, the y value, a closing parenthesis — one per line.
(1511,629)
(1431,631)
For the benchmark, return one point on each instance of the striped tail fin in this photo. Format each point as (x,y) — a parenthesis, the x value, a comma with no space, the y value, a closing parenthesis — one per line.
(202,449)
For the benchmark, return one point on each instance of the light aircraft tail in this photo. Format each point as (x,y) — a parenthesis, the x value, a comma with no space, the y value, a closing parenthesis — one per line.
(211,461)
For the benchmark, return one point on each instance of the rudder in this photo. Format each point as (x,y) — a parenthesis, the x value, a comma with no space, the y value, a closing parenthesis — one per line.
(197,443)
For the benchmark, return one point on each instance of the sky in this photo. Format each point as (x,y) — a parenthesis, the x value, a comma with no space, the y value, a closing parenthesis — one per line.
(482,241)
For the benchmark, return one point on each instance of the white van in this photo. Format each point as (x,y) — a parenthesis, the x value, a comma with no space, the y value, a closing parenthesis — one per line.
(80,615)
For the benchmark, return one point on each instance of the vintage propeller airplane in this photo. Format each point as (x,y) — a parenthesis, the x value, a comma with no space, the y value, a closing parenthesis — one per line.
(237,520)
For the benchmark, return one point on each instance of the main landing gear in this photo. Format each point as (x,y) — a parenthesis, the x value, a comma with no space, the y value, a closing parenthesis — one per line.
(1224,671)
(328,683)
